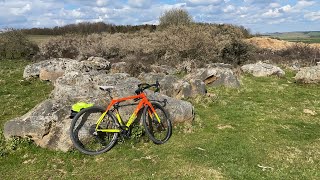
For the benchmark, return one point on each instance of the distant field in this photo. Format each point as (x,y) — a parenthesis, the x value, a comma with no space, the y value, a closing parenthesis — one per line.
(39,38)
(306,37)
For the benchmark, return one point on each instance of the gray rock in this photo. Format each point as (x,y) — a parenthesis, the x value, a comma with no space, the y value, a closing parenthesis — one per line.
(97,63)
(50,75)
(262,69)
(167,85)
(308,75)
(53,68)
(48,123)
(173,87)
(120,67)
(215,76)
(185,89)
(151,77)
(52,65)
(165,69)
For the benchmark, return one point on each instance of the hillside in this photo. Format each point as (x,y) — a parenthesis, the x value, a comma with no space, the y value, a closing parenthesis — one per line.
(303,36)
(276,44)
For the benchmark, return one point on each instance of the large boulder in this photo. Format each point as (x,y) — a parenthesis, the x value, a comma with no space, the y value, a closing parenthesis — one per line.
(54,68)
(308,75)
(165,69)
(262,69)
(48,123)
(119,67)
(52,65)
(215,75)
(173,87)
(192,88)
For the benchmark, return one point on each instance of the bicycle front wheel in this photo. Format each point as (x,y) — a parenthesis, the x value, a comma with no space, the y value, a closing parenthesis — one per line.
(83,131)
(157,124)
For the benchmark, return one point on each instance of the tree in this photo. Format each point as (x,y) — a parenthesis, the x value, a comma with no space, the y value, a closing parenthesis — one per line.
(175,17)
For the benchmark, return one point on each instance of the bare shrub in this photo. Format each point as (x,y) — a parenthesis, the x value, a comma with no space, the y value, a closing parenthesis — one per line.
(299,53)
(175,17)
(199,43)
(14,45)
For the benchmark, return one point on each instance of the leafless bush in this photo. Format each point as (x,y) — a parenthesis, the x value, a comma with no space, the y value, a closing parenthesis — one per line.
(15,45)
(175,17)
(201,43)
(303,54)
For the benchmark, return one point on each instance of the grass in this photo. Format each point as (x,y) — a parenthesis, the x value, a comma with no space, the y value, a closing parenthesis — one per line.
(39,39)
(18,96)
(256,132)
(306,37)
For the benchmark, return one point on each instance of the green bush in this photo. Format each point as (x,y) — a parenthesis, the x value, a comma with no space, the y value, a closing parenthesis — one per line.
(15,45)
(175,17)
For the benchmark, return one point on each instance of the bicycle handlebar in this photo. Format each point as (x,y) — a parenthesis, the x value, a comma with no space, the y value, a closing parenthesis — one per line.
(144,86)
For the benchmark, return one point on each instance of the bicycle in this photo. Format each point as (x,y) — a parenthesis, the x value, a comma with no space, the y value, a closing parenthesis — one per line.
(95,130)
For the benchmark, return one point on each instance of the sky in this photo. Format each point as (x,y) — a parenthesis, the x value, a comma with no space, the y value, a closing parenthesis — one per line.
(260,16)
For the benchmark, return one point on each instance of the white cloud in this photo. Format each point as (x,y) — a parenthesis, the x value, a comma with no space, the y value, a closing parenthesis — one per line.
(229,8)
(139,3)
(303,4)
(252,13)
(272,13)
(203,2)
(313,16)
(286,8)
(102,2)
(274,5)
(20,10)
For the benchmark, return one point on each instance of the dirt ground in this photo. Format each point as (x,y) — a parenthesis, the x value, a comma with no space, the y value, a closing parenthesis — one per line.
(274,44)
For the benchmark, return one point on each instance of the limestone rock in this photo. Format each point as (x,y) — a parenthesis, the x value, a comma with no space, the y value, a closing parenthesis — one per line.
(50,75)
(52,65)
(262,69)
(308,75)
(119,67)
(48,123)
(215,76)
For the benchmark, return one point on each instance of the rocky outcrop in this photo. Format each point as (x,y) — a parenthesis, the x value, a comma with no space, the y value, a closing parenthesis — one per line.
(119,67)
(216,75)
(48,123)
(262,69)
(54,68)
(173,87)
(308,75)
(164,69)
(52,65)
(192,88)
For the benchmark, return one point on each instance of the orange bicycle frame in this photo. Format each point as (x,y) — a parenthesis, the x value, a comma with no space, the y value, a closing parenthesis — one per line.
(143,102)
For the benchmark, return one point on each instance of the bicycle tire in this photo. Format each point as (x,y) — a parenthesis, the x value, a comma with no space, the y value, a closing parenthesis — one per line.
(159,133)
(83,127)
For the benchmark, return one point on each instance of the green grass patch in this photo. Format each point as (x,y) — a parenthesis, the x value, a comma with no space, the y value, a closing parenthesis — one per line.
(259,131)
(17,95)
(306,37)
(39,39)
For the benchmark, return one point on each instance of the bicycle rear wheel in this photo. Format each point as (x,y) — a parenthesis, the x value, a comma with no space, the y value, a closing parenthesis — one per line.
(158,132)
(84,136)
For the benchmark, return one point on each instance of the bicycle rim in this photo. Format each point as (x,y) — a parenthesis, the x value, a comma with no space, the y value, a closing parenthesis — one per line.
(158,132)
(83,135)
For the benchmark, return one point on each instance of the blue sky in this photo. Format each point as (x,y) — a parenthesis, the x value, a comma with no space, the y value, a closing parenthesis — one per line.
(257,15)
